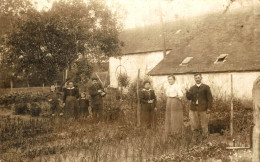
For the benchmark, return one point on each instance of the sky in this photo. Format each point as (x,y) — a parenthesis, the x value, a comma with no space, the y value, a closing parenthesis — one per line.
(138,13)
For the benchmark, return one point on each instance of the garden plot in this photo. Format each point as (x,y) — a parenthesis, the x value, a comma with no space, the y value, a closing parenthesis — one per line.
(28,138)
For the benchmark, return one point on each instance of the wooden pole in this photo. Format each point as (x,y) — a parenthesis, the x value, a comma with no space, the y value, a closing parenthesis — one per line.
(138,101)
(11,84)
(66,74)
(120,73)
(231,110)
(100,80)
(162,28)
(256,120)
(63,75)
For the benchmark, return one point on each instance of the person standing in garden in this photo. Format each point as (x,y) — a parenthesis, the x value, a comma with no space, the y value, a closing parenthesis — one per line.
(174,108)
(96,92)
(70,99)
(201,103)
(83,105)
(148,106)
(53,99)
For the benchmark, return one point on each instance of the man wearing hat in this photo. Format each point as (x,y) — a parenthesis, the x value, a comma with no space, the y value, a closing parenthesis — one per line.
(96,92)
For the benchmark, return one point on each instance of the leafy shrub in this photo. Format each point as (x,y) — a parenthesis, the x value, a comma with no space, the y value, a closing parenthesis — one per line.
(7,99)
(28,97)
(45,108)
(123,80)
(35,110)
(20,108)
(27,102)
(220,116)
(132,93)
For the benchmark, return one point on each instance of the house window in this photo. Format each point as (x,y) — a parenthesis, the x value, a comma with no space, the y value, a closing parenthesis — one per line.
(221,58)
(186,61)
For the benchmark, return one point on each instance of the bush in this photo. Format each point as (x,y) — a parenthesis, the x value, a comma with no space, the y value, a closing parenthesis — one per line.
(220,116)
(20,108)
(7,99)
(22,97)
(35,110)
(34,104)
(132,93)
(45,108)
(123,80)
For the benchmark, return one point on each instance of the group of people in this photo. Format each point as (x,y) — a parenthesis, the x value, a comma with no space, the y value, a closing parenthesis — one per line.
(200,96)
(77,104)
(200,106)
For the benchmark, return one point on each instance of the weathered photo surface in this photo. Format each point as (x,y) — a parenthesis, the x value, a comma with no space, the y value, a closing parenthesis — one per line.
(130,80)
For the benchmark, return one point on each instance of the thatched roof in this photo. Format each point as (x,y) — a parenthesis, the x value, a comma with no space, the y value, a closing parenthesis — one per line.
(204,38)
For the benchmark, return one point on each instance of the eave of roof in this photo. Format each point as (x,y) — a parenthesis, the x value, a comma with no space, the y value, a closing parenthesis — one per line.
(146,52)
(206,72)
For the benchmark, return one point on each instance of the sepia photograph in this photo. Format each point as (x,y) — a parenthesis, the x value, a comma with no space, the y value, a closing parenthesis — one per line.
(130,81)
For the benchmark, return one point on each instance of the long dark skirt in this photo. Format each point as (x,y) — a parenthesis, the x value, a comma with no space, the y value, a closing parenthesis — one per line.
(83,108)
(71,107)
(173,116)
(147,115)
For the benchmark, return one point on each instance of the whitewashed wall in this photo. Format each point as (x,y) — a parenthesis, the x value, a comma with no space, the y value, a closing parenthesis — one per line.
(220,83)
(131,63)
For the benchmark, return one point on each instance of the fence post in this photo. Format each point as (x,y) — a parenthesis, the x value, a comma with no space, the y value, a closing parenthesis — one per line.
(138,100)
(11,84)
(231,109)
(256,115)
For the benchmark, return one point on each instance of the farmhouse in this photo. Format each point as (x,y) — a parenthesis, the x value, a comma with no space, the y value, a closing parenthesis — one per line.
(220,46)
(142,50)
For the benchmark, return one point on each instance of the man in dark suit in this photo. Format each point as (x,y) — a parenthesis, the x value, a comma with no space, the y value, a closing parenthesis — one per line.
(96,92)
(201,104)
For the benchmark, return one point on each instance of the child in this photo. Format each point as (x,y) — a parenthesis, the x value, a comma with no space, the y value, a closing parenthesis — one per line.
(83,105)
(53,99)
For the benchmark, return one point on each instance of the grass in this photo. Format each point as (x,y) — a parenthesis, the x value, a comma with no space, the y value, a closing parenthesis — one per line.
(106,141)
(118,138)
(4,91)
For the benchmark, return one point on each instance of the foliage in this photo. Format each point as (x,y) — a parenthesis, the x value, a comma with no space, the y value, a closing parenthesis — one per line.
(123,80)
(15,132)
(16,98)
(20,108)
(45,43)
(81,71)
(35,109)
(204,151)
(10,10)
(27,103)
(14,7)
(108,141)
(132,91)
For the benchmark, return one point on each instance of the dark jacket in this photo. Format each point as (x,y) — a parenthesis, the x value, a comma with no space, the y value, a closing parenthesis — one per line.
(146,95)
(53,98)
(203,95)
(70,92)
(96,98)
(83,104)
